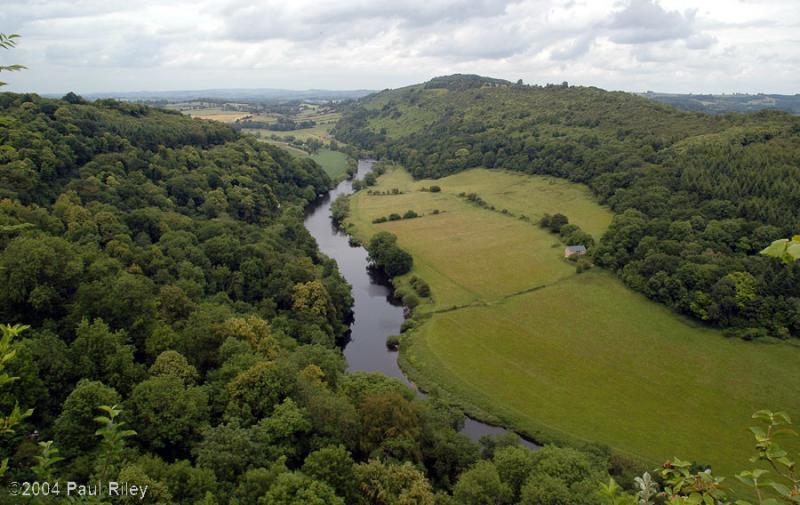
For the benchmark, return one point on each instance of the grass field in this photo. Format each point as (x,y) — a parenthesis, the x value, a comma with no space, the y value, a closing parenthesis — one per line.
(333,162)
(217,114)
(470,254)
(515,335)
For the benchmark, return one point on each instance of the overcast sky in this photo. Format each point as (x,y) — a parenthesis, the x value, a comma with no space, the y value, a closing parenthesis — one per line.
(635,45)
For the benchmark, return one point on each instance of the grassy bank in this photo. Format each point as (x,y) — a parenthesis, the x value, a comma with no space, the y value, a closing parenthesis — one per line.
(511,330)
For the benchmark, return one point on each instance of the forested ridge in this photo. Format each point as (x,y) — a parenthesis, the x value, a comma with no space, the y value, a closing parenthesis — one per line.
(696,196)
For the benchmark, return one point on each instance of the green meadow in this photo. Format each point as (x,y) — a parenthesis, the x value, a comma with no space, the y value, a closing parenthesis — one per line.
(470,254)
(517,337)
(334,163)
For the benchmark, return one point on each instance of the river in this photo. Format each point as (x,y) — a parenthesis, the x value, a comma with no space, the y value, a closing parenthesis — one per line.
(376,314)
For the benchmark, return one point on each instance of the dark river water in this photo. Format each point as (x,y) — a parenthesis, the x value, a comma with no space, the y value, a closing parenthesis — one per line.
(376,313)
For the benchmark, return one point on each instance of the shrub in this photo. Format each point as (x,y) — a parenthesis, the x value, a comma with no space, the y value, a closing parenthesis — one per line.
(408,324)
(410,214)
(384,253)
(420,286)
(394,217)
(393,342)
(435,189)
(410,300)
(582,265)
(340,209)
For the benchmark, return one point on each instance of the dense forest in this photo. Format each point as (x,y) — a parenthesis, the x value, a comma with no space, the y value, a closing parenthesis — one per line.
(696,196)
(164,270)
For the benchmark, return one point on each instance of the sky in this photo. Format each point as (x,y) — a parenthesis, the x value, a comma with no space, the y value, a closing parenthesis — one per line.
(680,46)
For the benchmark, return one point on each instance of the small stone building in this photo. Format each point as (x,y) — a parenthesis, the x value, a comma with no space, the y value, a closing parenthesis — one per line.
(574,250)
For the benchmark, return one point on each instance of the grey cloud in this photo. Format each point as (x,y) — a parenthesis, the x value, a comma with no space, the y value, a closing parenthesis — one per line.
(646,21)
(128,51)
(269,19)
(700,41)
(575,49)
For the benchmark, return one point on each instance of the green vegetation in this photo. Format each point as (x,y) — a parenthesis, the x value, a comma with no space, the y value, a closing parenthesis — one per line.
(163,266)
(168,281)
(386,255)
(335,163)
(456,250)
(720,104)
(515,336)
(695,197)
(787,250)
(8,42)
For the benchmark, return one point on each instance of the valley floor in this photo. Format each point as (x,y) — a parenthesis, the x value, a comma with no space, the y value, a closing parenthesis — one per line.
(515,335)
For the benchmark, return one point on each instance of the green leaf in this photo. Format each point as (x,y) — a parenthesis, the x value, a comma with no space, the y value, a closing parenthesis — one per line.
(780,488)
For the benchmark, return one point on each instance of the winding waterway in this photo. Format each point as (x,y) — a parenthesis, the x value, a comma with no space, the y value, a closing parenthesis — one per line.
(376,313)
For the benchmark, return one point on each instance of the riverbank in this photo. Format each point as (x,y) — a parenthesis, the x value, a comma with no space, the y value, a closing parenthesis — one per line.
(376,312)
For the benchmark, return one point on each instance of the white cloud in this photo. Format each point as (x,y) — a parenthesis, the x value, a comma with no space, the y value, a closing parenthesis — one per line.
(670,45)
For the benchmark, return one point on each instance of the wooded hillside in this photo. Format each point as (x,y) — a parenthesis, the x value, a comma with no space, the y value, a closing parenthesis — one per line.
(696,196)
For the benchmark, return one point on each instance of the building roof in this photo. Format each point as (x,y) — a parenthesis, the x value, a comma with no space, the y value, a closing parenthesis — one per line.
(576,248)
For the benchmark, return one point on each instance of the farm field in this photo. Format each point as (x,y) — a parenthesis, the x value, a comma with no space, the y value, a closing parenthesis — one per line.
(516,336)
(470,254)
(216,114)
(333,162)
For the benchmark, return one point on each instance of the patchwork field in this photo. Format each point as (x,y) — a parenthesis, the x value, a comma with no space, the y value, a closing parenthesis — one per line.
(516,336)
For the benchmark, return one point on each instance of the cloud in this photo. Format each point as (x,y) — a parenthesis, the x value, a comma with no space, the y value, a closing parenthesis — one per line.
(309,20)
(101,45)
(573,49)
(646,21)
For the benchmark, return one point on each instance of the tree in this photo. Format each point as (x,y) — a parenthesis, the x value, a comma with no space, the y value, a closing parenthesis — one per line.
(74,428)
(481,485)
(284,433)
(547,490)
(295,488)
(390,425)
(392,484)
(39,275)
(8,42)
(255,483)
(173,364)
(514,465)
(168,415)
(255,392)
(334,466)
(229,450)
(384,253)
(101,354)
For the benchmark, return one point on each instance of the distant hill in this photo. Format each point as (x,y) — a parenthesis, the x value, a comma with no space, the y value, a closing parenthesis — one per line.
(717,104)
(233,94)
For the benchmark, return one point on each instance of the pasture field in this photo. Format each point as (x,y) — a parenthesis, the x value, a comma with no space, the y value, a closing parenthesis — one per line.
(470,254)
(333,162)
(515,336)
(217,114)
